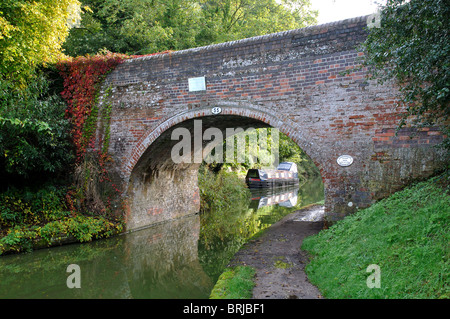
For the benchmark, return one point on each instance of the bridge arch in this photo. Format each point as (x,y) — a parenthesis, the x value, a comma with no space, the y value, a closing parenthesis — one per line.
(257,113)
(159,189)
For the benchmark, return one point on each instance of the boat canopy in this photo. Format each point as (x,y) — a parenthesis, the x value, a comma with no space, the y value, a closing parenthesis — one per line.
(287,166)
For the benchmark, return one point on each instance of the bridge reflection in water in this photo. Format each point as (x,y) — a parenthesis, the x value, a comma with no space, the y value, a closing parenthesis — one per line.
(178,259)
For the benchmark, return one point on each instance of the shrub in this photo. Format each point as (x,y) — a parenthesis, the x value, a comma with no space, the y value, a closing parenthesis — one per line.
(34,140)
(27,207)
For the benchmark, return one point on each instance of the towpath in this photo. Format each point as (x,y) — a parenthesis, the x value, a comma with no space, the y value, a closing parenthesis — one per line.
(278,259)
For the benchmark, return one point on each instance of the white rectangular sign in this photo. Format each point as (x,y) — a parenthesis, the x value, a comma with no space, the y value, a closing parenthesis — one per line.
(197,84)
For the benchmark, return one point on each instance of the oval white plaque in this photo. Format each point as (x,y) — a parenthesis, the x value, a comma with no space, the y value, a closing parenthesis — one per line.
(216,110)
(345,160)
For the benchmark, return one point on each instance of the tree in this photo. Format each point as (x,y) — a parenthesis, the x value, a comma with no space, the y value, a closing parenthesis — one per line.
(411,47)
(227,20)
(148,26)
(135,26)
(34,140)
(31,34)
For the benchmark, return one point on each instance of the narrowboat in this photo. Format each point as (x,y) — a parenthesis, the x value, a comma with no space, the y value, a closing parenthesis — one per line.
(285,174)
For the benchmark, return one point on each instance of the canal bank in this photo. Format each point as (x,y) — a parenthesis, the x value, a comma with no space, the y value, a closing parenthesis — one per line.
(179,259)
(277,258)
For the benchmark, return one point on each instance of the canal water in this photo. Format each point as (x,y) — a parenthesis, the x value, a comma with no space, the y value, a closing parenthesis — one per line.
(177,259)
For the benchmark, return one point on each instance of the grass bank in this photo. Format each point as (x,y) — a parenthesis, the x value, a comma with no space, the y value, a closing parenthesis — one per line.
(405,236)
(234,283)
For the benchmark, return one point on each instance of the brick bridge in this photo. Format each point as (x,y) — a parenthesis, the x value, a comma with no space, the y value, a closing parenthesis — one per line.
(290,80)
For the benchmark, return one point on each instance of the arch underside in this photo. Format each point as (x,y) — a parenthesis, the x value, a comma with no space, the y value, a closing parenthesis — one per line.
(160,189)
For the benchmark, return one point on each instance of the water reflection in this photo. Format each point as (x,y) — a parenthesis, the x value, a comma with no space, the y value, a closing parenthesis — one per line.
(178,259)
(157,262)
(283,196)
(224,232)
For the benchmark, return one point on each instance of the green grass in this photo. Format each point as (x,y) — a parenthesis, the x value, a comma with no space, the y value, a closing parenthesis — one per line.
(407,235)
(234,283)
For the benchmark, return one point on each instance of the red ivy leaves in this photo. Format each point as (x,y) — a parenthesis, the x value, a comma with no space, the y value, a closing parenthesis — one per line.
(82,77)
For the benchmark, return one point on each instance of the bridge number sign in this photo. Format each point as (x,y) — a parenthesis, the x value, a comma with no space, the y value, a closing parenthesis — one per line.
(216,110)
(345,160)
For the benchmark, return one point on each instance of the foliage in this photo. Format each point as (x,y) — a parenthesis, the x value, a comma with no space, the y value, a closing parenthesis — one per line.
(412,48)
(18,239)
(291,152)
(94,190)
(82,78)
(31,34)
(406,235)
(234,283)
(237,19)
(25,206)
(81,228)
(34,139)
(28,216)
(222,191)
(256,157)
(246,153)
(147,26)
(279,262)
